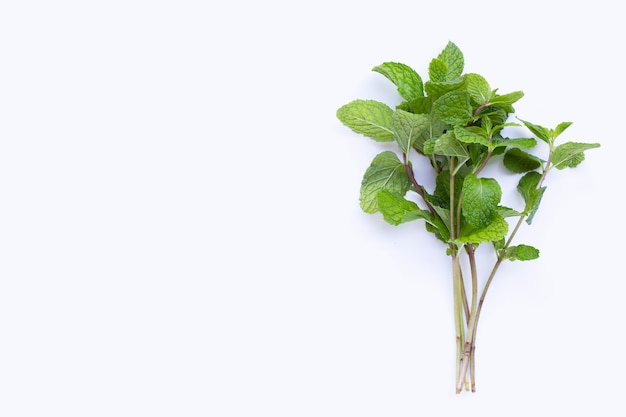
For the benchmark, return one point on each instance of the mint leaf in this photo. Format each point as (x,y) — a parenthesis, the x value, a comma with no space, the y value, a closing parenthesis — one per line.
(508,212)
(454,61)
(442,188)
(407,128)
(506,100)
(369,118)
(478,88)
(438,71)
(454,108)
(397,209)
(480,200)
(561,127)
(570,154)
(518,161)
(525,143)
(531,193)
(436,89)
(541,132)
(521,253)
(408,81)
(447,145)
(386,172)
(496,230)
(472,134)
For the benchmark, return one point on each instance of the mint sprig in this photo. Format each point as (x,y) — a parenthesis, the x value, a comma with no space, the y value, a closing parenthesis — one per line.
(455,120)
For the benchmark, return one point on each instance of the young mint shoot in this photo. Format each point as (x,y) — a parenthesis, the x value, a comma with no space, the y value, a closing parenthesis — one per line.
(456,120)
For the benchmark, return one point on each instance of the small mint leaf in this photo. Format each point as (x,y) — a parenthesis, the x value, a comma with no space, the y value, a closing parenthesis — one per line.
(386,172)
(408,81)
(447,145)
(437,89)
(541,132)
(525,143)
(528,189)
(570,154)
(370,118)
(560,128)
(518,161)
(506,100)
(508,212)
(521,253)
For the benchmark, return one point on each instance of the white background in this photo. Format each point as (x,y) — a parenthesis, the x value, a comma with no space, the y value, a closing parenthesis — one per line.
(180,232)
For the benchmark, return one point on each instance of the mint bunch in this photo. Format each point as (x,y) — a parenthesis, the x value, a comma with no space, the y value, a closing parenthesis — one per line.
(456,121)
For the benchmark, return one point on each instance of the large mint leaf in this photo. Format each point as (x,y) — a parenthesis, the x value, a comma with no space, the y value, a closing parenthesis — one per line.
(386,172)
(495,231)
(397,209)
(570,154)
(454,108)
(518,161)
(370,118)
(480,200)
(408,81)
(531,193)
(407,128)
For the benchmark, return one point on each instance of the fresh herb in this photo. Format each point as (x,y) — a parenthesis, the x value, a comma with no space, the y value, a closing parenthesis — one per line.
(457,122)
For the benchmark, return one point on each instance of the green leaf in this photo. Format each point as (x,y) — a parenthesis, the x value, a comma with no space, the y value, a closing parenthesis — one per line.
(448,145)
(518,161)
(472,134)
(496,230)
(386,172)
(570,154)
(408,81)
(478,88)
(454,61)
(407,127)
(521,253)
(531,193)
(507,100)
(368,117)
(441,223)
(421,105)
(508,212)
(437,89)
(541,132)
(438,71)
(480,200)
(454,108)
(525,143)
(442,188)
(397,209)
(561,127)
